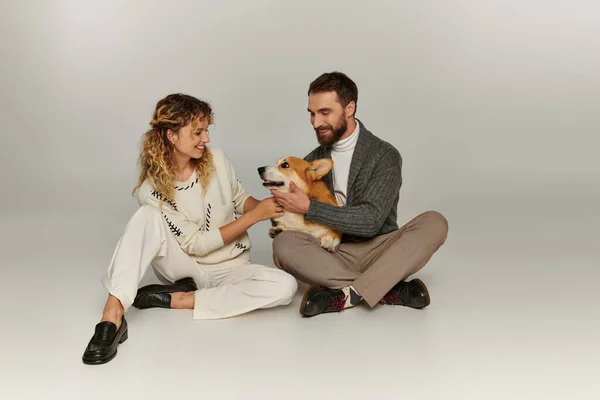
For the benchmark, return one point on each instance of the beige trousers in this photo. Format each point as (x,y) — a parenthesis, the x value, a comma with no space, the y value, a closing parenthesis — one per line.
(372,267)
(224,290)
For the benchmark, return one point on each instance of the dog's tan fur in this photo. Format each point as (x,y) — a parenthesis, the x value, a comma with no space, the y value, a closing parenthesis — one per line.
(307,177)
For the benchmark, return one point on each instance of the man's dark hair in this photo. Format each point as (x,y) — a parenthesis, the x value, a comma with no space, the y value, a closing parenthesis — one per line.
(340,83)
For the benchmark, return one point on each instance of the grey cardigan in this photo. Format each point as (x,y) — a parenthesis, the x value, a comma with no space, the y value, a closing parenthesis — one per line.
(373,192)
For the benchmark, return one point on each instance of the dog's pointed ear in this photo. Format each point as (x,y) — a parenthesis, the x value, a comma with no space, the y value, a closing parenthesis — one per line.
(318,168)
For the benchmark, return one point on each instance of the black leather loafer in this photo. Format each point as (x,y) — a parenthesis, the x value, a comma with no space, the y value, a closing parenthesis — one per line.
(411,294)
(103,346)
(152,296)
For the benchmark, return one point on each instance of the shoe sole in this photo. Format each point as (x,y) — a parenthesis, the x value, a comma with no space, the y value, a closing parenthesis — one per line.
(105,360)
(420,282)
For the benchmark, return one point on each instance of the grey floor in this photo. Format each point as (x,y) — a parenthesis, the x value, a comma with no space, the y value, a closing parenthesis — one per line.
(514,315)
(490,103)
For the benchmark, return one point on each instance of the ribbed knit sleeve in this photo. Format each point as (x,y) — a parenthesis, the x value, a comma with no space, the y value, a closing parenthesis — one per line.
(367,217)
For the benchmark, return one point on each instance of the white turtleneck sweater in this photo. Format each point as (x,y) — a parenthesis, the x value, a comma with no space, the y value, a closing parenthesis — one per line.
(341,154)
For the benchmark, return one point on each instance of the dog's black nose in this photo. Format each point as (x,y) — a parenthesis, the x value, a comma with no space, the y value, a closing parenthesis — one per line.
(261,170)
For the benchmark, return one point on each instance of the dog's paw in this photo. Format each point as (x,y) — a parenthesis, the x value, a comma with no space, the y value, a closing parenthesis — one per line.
(330,243)
(274,232)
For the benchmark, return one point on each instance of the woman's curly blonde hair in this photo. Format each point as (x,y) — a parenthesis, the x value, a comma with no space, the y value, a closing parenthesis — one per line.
(157,160)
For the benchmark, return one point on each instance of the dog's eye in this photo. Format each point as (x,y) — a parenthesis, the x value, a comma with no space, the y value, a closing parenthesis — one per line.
(285,165)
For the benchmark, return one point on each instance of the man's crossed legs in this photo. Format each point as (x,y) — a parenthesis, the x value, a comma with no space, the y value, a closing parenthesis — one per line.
(373,270)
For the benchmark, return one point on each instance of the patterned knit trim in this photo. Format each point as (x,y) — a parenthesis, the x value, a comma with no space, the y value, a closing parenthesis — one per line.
(176,231)
(207,222)
(159,196)
(241,246)
(179,188)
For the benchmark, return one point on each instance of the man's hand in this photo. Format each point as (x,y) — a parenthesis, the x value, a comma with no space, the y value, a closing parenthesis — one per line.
(295,201)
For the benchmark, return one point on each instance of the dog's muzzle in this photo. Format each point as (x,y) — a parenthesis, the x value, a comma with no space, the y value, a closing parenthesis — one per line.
(266,182)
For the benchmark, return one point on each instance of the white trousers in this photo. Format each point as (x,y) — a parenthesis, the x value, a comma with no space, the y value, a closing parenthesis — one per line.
(224,290)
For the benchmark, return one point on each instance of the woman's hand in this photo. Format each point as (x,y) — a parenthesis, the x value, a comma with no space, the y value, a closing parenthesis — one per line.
(267,209)
(257,211)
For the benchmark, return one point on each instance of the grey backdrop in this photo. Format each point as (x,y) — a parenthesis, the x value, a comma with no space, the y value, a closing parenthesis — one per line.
(492,104)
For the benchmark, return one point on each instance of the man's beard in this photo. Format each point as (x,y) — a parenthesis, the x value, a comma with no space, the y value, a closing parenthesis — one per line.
(336,133)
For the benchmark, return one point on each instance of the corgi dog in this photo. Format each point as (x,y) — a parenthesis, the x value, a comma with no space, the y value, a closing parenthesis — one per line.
(307,177)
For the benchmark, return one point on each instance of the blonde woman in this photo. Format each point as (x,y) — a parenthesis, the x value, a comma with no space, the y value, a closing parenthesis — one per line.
(188,229)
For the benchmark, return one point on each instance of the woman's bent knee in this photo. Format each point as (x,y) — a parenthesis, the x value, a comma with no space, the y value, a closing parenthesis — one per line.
(145,216)
(146,212)
(288,286)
